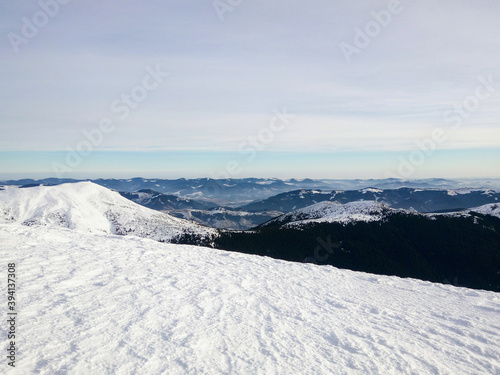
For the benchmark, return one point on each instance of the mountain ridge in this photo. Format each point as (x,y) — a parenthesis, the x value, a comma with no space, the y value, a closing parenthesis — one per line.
(236,192)
(88,207)
(422,200)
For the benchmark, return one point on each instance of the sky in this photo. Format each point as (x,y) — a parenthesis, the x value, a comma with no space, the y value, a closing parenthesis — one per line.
(239,88)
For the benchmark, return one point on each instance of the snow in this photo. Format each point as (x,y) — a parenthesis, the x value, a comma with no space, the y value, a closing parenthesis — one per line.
(143,198)
(88,207)
(6,187)
(463,191)
(492,209)
(222,210)
(334,212)
(371,190)
(268,182)
(488,209)
(198,195)
(103,304)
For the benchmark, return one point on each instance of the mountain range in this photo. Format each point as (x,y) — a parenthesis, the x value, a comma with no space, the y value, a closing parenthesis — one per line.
(461,247)
(202,212)
(430,200)
(241,204)
(238,192)
(258,212)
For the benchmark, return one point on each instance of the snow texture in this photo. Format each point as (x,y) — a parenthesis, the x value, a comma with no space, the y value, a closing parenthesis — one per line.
(104,304)
(88,207)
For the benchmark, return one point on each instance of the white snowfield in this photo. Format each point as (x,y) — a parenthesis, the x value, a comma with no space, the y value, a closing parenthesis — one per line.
(88,207)
(104,304)
(334,212)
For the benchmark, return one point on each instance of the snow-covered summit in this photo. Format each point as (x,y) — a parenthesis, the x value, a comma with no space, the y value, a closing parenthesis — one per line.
(89,207)
(334,212)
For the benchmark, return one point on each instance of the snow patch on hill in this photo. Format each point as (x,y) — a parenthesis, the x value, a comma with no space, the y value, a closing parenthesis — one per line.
(103,304)
(492,209)
(89,207)
(334,212)
(371,190)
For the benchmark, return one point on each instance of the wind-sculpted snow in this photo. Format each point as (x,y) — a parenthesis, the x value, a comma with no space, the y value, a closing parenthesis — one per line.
(103,304)
(333,212)
(88,207)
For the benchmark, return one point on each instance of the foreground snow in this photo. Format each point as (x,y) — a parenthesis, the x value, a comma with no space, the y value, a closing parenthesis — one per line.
(103,304)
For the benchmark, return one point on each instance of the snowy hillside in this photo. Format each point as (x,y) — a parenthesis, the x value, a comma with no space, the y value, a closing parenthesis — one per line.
(367,211)
(488,209)
(333,212)
(421,200)
(103,304)
(88,207)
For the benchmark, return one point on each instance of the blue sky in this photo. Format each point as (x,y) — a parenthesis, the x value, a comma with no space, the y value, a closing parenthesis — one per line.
(264,89)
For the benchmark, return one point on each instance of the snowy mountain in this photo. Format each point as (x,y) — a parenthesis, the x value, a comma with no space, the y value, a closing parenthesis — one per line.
(333,212)
(222,192)
(225,218)
(202,212)
(487,209)
(165,202)
(362,211)
(103,304)
(257,213)
(237,192)
(88,207)
(364,236)
(422,200)
(462,247)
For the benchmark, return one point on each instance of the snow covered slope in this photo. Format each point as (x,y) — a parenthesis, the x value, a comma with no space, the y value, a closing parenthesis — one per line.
(367,211)
(333,212)
(492,209)
(103,304)
(88,207)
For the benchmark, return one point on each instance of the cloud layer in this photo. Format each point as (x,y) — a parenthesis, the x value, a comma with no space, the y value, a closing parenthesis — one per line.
(231,69)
